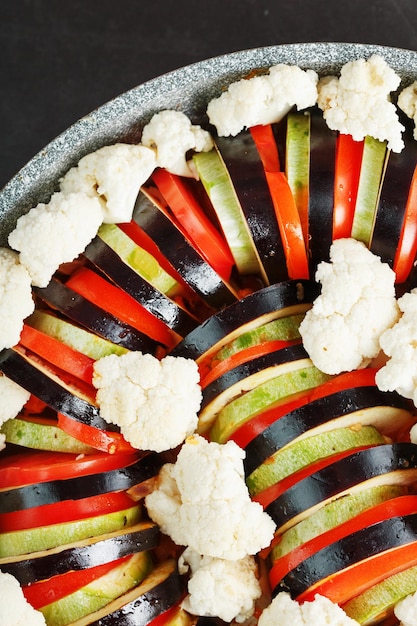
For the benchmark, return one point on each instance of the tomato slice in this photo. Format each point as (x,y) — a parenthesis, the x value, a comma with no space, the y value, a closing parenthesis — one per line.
(407,246)
(218,368)
(250,429)
(57,353)
(288,217)
(142,239)
(401,505)
(346,181)
(44,592)
(352,581)
(97,289)
(67,511)
(194,222)
(33,467)
(289,225)
(98,439)
(264,139)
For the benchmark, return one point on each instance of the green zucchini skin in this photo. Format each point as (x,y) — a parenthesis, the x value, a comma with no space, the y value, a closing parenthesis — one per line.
(108,261)
(313,414)
(21,498)
(181,254)
(246,171)
(137,539)
(94,318)
(358,546)
(265,301)
(343,475)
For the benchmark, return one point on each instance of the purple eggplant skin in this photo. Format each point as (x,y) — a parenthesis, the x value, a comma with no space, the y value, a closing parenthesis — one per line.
(189,264)
(113,267)
(393,198)
(321,189)
(358,546)
(252,367)
(146,607)
(262,302)
(140,538)
(92,317)
(50,492)
(279,130)
(37,382)
(247,174)
(311,415)
(343,475)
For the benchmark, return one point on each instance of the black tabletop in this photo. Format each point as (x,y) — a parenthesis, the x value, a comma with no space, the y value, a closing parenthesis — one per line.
(59,60)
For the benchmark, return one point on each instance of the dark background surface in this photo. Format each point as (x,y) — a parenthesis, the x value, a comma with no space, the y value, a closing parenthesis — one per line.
(60,60)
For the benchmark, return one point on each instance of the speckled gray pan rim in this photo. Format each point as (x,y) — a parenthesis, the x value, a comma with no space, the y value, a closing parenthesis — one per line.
(187,89)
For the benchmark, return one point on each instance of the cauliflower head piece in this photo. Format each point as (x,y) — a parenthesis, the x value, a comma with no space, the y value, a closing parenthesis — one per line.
(407,102)
(171,134)
(262,99)
(356,305)
(155,402)
(16,301)
(220,588)
(202,501)
(112,174)
(399,343)
(358,102)
(15,610)
(55,233)
(285,611)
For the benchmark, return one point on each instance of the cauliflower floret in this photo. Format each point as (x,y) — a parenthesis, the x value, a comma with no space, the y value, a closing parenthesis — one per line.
(16,301)
(220,588)
(15,610)
(155,402)
(287,612)
(406,610)
(202,502)
(357,304)
(13,398)
(55,233)
(172,135)
(358,102)
(407,102)
(114,174)
(262,99)
(400,344)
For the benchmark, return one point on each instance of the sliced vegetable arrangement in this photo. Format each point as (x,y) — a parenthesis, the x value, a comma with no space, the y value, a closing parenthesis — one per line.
(173,427)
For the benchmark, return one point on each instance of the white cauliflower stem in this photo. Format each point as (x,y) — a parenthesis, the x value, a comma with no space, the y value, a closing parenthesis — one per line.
(202,501)
(358,102)
(400,344)
(13,398)
(172,135)
(155,402)
(406,610)
(287,612)
(15,610)
(357,304)
(220,588)
(16,301)
(55,233)
(262,99)
(114,175)
(407,102)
